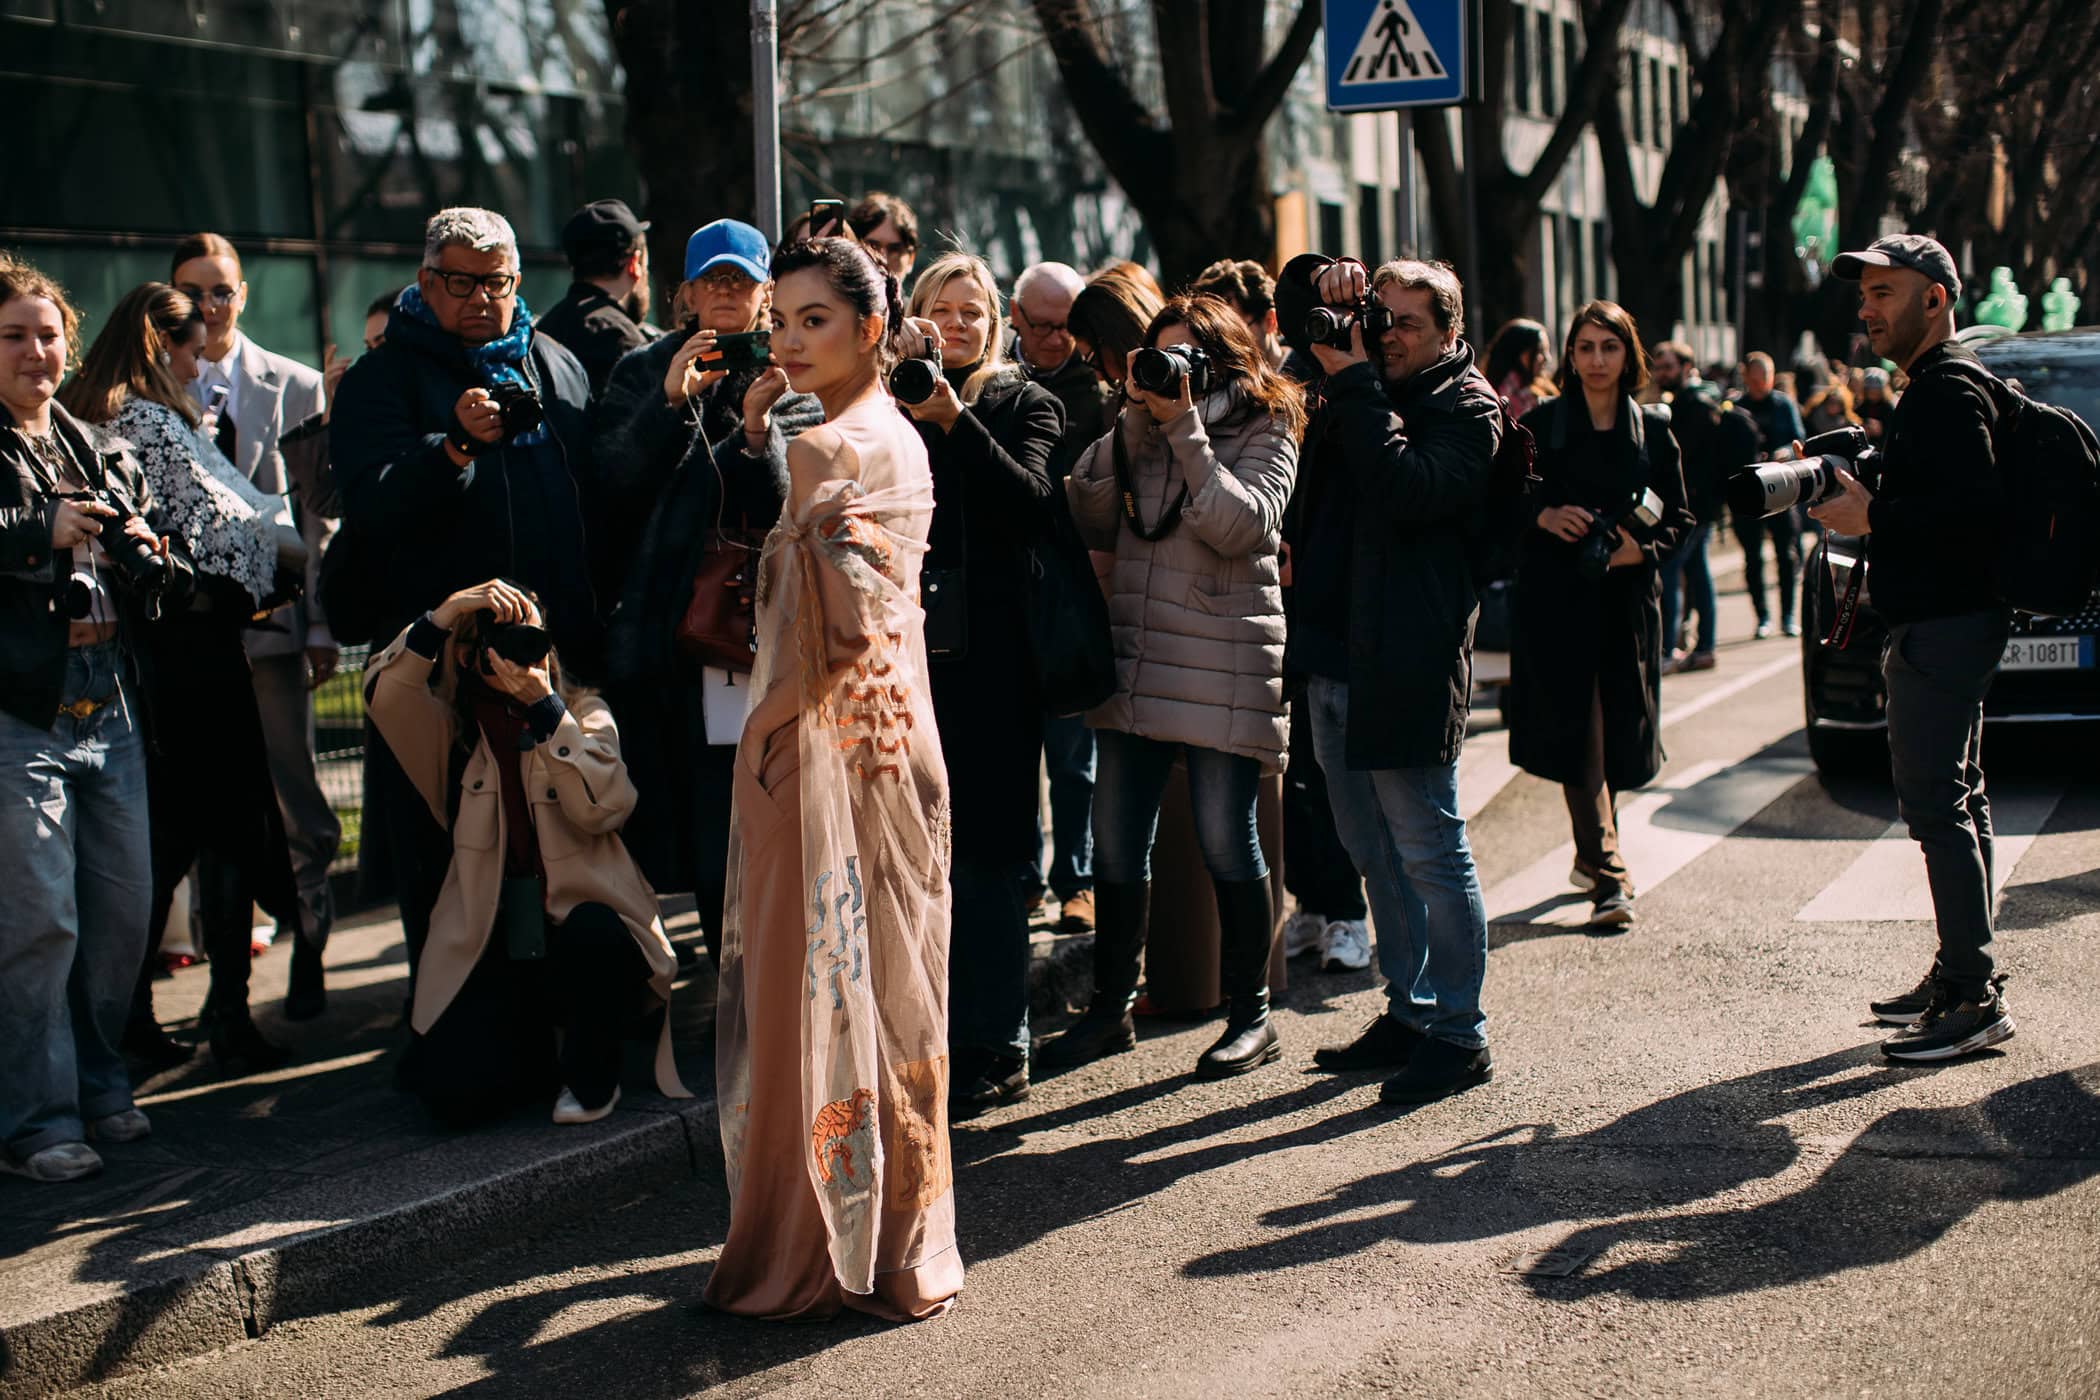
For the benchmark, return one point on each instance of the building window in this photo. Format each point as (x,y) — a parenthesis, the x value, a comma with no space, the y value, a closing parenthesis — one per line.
(1631,98)
(1570,61)
(1520,65)
(1331,236)
(1655,104)
(1600,245)
(1672,76)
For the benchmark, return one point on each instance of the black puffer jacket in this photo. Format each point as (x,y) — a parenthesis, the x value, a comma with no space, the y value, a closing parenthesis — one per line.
(33,621)
(518,512)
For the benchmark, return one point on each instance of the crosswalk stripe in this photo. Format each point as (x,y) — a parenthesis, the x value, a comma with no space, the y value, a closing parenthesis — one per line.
(1661,830)
(1887,882)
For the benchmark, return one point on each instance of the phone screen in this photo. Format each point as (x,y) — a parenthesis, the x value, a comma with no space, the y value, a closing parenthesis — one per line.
(827,218)
(739,351)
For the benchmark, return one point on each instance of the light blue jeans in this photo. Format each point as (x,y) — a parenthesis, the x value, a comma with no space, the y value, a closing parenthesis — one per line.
(76,867)
(1403,830)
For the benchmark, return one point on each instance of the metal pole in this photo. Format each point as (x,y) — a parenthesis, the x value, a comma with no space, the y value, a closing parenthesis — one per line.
(1406,232)
(765,115)
(1470,127)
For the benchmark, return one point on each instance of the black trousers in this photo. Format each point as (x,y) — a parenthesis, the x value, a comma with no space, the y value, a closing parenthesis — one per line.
(1938,672)
(1785,533)
(494,1049)
(1316,866)
(418,851)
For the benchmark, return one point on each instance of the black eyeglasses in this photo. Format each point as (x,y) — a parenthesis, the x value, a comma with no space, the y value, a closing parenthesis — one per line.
(461,285)
(221,295)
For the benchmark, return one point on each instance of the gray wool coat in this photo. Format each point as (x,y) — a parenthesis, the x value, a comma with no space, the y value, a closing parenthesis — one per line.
(1197,616)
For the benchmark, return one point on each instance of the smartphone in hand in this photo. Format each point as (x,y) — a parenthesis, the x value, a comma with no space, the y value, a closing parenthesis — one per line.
(827,218)
(742,350)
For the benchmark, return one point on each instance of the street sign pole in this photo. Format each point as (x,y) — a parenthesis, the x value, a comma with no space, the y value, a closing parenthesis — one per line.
(1396,55)
(765,115)
(1409,248)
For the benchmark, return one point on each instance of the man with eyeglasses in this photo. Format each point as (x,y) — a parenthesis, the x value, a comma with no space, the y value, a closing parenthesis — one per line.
(1041,304)
(887,228)
(270,425)
(462,451)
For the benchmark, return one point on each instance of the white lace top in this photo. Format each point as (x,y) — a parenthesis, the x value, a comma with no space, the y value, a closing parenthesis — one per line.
(228,523)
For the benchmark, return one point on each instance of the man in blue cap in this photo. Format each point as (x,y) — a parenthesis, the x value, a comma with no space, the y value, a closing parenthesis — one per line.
(605,313)
(688,450)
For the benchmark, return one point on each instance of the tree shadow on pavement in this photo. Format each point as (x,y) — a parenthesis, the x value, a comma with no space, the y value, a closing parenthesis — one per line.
(2027,1140)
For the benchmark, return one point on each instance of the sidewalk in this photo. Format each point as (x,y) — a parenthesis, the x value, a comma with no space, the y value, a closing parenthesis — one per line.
(295,1193)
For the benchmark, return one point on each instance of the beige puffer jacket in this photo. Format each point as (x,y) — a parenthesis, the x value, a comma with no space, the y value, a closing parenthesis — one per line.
(1198,615)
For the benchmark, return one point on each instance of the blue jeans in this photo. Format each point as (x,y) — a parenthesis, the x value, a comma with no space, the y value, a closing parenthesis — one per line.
(988,956)
(1068,756)
(1690,562)
(75,862)
(1403,830)
(1127,792)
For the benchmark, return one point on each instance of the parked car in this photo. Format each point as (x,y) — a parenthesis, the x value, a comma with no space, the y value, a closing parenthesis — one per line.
(2050,674)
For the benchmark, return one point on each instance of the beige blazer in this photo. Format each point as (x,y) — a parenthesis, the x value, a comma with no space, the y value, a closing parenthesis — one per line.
(580,798)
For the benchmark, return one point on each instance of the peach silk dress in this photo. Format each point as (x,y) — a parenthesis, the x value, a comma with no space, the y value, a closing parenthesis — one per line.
(832,1024)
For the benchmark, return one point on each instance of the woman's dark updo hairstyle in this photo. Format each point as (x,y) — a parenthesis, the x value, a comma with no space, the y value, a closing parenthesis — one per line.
(855,275)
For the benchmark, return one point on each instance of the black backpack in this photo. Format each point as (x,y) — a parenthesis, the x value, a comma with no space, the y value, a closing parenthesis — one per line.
(2048,550)
(1498,530)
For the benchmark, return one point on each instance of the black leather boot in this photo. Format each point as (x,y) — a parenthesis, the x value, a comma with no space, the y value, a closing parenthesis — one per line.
(1121,914)
(1245,926)
(307,995)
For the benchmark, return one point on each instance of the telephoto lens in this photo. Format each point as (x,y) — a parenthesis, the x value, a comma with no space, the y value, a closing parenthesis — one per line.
(1770,488)
(912,380)
(1161,371)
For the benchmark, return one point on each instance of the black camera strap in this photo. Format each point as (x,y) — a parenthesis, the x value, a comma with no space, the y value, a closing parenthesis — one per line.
(1128,491)
(1840,634)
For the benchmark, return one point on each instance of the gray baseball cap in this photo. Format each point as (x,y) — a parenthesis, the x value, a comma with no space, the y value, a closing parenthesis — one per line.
(1912,250)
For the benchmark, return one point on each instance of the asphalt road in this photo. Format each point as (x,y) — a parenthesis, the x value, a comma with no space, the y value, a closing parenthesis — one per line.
(1691,1174)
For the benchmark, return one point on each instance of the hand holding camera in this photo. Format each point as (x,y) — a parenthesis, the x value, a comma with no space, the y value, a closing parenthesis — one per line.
(1347,327)
(1167,380)
(77,521)
(918,368)
(528,685)
(505,601)
(477,422)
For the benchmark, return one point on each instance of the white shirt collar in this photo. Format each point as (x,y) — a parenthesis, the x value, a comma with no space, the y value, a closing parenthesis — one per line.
(224,368)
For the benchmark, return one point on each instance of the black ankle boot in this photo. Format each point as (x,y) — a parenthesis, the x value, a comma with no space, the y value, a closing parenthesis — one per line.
(307,997)
(1246,924)
(1121,914)
(238,1046)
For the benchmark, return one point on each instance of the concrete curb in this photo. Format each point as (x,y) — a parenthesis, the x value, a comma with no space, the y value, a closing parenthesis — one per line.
(237,1287)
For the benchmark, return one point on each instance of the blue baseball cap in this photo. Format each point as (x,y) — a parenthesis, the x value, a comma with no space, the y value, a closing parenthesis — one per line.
(728,241)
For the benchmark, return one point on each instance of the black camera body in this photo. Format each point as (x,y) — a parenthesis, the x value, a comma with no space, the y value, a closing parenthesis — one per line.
(144,569)
(519,643)
(1593,555)
(1809,479)
(520,406)
(912,380)
(1330,325)
(1161,371)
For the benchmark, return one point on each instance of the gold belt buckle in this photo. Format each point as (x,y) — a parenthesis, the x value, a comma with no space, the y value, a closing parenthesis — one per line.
(81,709)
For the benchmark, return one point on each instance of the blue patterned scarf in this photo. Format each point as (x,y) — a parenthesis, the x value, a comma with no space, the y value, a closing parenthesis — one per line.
(501,361)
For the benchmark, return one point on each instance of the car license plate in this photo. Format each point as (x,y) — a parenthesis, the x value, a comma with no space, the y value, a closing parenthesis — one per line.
(2048,654)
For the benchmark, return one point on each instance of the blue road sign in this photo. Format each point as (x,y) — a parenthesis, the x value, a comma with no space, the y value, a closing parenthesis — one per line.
(1395,53)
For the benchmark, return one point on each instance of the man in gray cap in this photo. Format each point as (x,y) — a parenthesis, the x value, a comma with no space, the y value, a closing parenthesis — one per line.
(606,311)
(1928,529)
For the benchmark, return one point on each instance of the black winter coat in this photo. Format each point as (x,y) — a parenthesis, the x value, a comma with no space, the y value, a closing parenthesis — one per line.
(518,512)
(595,329)
(33,625)
(1576,637)
(1407,468)
(991,502)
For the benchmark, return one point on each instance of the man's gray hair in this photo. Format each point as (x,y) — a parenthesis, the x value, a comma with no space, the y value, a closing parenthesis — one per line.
(483,230)
(1062,276)
(1447,298)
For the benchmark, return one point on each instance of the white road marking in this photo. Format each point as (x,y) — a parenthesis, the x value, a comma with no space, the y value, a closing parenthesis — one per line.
(1887,882)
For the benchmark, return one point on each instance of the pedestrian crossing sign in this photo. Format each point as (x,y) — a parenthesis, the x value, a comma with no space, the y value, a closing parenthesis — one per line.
(1395,53)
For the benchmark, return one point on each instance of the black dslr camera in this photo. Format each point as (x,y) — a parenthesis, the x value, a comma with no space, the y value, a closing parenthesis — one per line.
(1330,325)
(912,380)
(521,408)
(519,643)
(1161,371)
(1768,488)
(141,565)
(1593,555)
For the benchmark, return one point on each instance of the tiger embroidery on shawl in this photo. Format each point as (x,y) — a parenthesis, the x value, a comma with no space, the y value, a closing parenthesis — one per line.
(839,1129)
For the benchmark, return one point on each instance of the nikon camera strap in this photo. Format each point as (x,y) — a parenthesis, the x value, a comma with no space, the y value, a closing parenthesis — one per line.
(1127,490)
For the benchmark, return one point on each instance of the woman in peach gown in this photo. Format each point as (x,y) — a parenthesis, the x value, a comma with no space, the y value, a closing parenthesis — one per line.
(832,1021)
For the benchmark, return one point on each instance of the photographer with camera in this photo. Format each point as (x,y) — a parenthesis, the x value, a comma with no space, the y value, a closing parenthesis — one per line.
(692,439)
(213,804)
(462,452)
(1188,490)
(1586,659)
(990,433)
(1398,464)
(1928,528)
(82,573)
(545,950)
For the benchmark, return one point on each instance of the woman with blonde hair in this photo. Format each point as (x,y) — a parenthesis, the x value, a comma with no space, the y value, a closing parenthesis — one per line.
(208,776)
(989,433)
(544,923)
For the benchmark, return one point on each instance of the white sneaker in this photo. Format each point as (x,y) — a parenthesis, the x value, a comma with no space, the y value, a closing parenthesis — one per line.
(1303,933)
(128,1126)
(1345,946)
(65,1161)
(569,1109)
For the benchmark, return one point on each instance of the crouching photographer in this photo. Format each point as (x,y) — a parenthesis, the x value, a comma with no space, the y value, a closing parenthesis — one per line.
(81,573)
(1929,528)
(1397,471)
(544,922)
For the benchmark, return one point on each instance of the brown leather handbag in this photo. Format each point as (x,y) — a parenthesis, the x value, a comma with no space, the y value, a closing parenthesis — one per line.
(719,618)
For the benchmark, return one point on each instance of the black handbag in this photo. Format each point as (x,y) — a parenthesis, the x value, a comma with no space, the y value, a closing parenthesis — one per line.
(1068,631)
